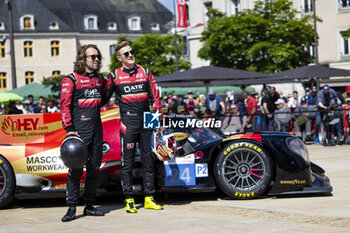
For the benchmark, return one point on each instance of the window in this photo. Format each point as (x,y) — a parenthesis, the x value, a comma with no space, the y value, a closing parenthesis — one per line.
(111,50)
(27,22)
(2,49)
(112,26)
(56,73)
(54,26)
(235,6)
(28,49)
(3,81)
(2,26)
(344,3)
(184,47)
(207,5)
(155,27)
(90,22)
(345,46)
(29,76)
(55,48)
(307,6)
(134,23)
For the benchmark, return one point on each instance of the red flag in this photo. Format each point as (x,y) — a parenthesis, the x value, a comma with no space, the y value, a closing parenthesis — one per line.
(181,14)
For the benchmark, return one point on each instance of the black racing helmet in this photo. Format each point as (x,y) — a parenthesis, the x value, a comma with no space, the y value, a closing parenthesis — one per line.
(74,153)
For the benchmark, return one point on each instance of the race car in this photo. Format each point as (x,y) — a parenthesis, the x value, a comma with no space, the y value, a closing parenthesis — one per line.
(242,166)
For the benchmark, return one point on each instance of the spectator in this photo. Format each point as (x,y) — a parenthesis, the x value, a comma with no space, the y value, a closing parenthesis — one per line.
(294,101)
(37,108)
(31,103)
(335,116)
(283,97)
(304,116)
(312,97)
(269,107)
(324,97)
(181,106)
(282,116)
(190,101)
(51,108)
(232,123)
(172,104)
(12,109)
(26,109)
(19,105)
(252,107)
(215,104)
(201,109)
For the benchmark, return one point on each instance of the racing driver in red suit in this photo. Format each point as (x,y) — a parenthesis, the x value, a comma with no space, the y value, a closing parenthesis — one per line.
(135,90)
(81,95)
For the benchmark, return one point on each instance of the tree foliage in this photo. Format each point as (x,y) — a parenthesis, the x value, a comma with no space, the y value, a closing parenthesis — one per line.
(155,52)
(266,38)
(54,82)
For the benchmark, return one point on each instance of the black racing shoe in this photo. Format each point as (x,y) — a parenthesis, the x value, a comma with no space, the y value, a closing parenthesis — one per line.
(92,211)
(70,215)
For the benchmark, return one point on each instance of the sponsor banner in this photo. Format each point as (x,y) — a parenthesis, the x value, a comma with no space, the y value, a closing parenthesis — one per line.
(31,128)
(181,14)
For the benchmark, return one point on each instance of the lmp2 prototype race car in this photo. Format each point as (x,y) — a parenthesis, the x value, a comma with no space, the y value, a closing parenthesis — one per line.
(243,166)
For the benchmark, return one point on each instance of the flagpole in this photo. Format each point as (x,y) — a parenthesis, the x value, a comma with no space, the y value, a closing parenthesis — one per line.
(175,40)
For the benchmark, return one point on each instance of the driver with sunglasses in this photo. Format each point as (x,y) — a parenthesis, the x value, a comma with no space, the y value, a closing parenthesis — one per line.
(135,90)
(82,94)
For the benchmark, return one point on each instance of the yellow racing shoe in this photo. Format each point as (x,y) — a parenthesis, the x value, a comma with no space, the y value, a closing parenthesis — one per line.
(130,206)
(150,203)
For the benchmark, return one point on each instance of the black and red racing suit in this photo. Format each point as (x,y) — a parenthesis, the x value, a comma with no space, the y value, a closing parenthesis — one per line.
(81,97)
(135,91)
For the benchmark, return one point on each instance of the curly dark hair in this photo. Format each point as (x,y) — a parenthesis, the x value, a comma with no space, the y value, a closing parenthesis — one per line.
(80,60)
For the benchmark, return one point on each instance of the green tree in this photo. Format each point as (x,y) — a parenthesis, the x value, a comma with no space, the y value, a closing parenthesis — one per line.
(266,38)
(155,52)
(54,82)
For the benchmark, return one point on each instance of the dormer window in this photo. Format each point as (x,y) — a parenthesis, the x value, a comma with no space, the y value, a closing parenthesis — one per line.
(90,22)
(2,26)
(27,22)
(54,26)
(134,23)
(112,26)
(155,27)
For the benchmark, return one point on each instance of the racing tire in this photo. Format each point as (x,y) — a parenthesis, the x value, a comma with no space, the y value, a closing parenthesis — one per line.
(243,170)
(7,182)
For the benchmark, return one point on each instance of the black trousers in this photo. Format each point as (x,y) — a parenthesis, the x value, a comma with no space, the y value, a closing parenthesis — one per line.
(94,144)
(132,132)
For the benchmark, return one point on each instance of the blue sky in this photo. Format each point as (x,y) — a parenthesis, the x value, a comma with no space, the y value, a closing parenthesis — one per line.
(168,4)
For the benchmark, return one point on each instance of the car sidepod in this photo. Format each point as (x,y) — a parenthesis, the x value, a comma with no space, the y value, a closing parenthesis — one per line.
(293,170)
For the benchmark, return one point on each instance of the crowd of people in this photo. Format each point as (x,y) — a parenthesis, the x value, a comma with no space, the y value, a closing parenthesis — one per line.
(28,107)
(270,111)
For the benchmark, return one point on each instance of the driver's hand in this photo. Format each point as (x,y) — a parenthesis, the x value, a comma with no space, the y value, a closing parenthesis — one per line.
(73,133)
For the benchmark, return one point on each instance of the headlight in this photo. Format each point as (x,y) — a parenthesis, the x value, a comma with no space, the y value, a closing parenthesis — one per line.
(298,147)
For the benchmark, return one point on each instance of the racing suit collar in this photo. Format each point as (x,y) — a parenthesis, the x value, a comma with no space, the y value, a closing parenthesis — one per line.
(90,75)
(130,71)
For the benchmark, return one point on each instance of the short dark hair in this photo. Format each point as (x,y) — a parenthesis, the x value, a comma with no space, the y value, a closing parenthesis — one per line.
(120,46)
(30,96)
(295,92)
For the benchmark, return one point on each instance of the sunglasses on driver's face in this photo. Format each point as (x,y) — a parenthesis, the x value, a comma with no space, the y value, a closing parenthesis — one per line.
(132,52)
(93,57)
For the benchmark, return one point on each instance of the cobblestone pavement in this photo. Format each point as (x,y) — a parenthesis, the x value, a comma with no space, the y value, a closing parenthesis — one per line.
(203,212)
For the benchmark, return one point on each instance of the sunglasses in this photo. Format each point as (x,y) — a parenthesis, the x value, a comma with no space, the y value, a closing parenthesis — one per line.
(126,54)
(93,57)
